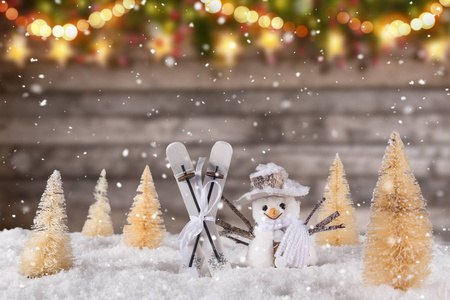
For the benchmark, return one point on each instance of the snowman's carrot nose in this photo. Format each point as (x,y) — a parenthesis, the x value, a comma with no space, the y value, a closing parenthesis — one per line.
(273,212)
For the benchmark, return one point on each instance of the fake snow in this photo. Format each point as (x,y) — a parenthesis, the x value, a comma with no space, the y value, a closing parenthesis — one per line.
(106,269)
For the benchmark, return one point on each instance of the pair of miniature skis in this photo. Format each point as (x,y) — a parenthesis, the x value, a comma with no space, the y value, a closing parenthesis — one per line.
(199,241)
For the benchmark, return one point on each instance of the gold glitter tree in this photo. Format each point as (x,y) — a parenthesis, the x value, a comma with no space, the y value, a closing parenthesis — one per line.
(48,250)
(337,195)
(99,221)
(399,244)
(145,226)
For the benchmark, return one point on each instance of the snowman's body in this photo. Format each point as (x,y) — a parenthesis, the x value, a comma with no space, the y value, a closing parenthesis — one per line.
(274,215)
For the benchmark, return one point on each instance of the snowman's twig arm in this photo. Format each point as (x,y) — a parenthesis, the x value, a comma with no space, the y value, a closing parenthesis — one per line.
(318,204)
(239,214)
(237,241)
(230,229)
(328,219)
(325,228)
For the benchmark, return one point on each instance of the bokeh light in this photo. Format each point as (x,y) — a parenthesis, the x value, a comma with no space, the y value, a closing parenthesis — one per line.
(343,17)
(240,14)
(96,20)
(436,9)
(367,27)
(416,24)
(301,31)
(354,24)
(11,13)
(228,9)
(264,21)
(277,23)
(82,25)
(58,31)
(70,32)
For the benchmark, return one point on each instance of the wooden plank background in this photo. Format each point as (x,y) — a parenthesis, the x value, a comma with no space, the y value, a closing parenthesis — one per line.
(84,118)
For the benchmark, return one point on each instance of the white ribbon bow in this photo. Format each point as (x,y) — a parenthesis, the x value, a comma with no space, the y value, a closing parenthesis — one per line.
(195,226)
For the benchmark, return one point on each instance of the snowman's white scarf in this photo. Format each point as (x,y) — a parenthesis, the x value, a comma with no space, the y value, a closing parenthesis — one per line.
(294,247)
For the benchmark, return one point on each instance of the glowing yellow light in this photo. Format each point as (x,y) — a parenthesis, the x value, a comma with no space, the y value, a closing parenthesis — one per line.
(366,27)
(82,25)
(252,16)
(118,10)
(404,29)
(106,14)
(228,9)
(386,38)
(270,41)
(96,20)
(437,49)
(335,44)
(70,32)
(29,29)
(394,28)
(206,1)
(416,24)
(445,3)
(264,21)
(240,14)
(129,4)
(227,49)
(60,51)
(436,9)
(277,23)
(58,31)
(36,26)
(18,51)
(45,31)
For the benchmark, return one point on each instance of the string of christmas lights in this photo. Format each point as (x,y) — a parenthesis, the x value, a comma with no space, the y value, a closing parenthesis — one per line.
(242,14)
(69,31)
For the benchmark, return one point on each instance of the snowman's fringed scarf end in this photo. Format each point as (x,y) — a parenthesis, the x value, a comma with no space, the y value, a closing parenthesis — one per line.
(294,247)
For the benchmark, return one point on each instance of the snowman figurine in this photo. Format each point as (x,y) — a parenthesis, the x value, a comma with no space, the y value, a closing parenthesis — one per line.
(281,239)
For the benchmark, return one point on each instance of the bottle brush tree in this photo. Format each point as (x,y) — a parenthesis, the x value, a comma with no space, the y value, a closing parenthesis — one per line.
(337,195)
(99,221)
(48,249)
(145,226)
(399,243)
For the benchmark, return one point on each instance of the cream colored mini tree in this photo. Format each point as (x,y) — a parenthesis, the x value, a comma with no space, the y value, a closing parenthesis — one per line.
(99,221)
(337,195)
(145,226)
(48,250)
(399,244)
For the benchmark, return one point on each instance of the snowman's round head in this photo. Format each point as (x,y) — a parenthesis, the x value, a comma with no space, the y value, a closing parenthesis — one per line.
(275,208)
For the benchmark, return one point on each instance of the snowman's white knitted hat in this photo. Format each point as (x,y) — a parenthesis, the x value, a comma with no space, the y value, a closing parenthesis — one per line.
(272,180)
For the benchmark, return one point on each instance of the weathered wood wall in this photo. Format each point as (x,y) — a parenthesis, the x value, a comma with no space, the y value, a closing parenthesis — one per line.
(93,117)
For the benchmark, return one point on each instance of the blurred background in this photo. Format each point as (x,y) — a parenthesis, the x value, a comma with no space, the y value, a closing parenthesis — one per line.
(87,85)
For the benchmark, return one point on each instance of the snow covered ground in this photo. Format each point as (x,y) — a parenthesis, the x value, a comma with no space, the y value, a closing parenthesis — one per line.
(106,269)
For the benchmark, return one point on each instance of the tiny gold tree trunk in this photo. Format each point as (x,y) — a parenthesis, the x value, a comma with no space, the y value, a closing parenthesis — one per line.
(48,249)
(99,221)
(145,226)
(399,244)
(337,195)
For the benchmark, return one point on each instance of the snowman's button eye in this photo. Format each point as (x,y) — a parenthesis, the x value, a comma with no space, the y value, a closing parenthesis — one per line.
(283,206)
(265,208)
